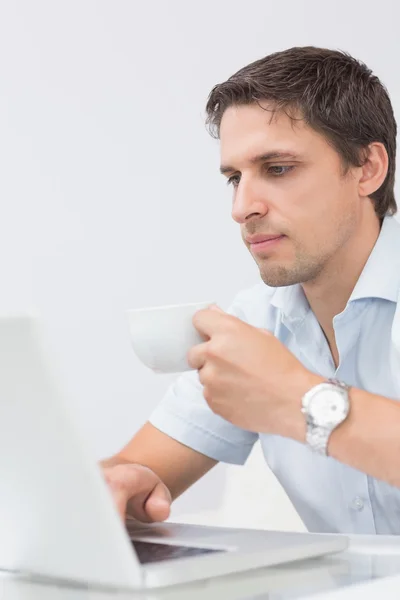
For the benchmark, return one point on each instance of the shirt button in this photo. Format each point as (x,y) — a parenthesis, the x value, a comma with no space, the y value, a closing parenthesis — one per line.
(358,503)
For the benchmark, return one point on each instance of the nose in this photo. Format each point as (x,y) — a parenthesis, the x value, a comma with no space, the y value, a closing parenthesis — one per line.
(248,202)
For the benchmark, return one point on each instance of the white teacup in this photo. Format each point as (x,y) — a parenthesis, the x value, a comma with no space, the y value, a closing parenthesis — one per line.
(162,336)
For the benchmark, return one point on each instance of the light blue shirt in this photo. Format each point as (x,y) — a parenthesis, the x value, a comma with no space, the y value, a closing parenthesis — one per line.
(328,495)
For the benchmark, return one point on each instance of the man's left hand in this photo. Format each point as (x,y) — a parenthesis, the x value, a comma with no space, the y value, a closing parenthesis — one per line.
(249,377)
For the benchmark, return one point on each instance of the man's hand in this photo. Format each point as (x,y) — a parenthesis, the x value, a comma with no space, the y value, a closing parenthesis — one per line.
(249,377)
(138,492)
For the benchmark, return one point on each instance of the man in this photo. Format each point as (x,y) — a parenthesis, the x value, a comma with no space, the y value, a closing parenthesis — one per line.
(308,142)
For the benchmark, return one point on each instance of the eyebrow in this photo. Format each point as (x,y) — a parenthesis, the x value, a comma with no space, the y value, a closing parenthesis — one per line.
(262,158)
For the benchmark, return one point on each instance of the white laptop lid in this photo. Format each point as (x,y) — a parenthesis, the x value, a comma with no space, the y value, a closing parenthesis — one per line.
(57,517)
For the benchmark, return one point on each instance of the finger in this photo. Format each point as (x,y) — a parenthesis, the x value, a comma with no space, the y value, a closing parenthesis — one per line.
(120,500)
(153,506)
(209,321)
(216,308)
(117,488)
(158,504)
(139,484)
(135,507)
(196,356)
(266,332)
(131,485)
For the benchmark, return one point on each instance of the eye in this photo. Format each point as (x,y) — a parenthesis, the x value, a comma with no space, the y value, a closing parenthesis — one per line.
(279,170)
(233,180)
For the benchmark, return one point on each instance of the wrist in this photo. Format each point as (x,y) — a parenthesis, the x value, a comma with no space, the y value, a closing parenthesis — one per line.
(293,424)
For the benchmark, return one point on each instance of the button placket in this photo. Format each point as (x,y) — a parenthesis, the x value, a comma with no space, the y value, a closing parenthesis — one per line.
(357,503)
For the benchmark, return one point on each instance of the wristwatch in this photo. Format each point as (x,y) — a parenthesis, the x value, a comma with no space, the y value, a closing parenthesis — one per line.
(325,406)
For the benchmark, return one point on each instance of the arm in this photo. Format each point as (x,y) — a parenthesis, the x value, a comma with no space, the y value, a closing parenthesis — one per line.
(369,439)
(240,362)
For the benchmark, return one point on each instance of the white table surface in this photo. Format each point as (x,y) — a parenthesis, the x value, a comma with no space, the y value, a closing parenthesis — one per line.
(370,568)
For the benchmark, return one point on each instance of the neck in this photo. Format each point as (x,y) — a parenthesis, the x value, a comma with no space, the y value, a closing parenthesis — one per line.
(329,293)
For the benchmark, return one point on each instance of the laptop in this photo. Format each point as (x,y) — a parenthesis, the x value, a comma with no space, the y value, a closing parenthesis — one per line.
(57,517)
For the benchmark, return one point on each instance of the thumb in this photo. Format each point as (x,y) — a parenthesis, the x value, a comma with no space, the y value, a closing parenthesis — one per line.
(158,504)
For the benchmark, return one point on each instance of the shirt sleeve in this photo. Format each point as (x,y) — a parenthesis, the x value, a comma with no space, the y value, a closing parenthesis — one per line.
(184,415)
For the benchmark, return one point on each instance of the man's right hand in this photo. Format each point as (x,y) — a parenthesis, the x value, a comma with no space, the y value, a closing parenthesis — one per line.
(138,492)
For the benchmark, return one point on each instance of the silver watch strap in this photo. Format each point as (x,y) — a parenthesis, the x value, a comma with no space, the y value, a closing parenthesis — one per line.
(339,383)
(317,437)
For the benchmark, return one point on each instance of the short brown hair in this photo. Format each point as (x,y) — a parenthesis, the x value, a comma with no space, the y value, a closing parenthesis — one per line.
(337,95)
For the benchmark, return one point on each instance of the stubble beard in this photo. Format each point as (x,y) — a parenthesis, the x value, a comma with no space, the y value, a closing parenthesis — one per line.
(304,269)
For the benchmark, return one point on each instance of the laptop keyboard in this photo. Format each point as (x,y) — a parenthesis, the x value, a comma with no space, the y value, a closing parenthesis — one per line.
(151,552)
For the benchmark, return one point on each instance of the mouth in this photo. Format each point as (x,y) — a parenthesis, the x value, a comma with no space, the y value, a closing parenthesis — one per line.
(261,243)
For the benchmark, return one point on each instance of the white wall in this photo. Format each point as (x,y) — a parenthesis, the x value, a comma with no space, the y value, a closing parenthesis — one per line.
(110,193)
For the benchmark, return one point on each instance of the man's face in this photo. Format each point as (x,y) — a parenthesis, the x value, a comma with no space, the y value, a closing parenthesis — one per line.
(288,181)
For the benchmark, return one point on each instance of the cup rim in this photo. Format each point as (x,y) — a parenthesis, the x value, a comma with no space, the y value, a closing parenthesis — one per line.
(168,306)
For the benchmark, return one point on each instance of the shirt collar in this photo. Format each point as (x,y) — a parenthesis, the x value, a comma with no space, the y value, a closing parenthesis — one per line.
(380,277)
(291,302)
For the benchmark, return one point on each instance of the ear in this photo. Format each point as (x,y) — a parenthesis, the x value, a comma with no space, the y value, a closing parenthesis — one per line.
(374,169)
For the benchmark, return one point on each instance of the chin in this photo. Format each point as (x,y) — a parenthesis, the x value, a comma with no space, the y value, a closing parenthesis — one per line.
(302,271)
(275,279)
(279,277)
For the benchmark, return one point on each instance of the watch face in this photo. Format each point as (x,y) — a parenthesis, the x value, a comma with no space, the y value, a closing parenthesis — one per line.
(328,407)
